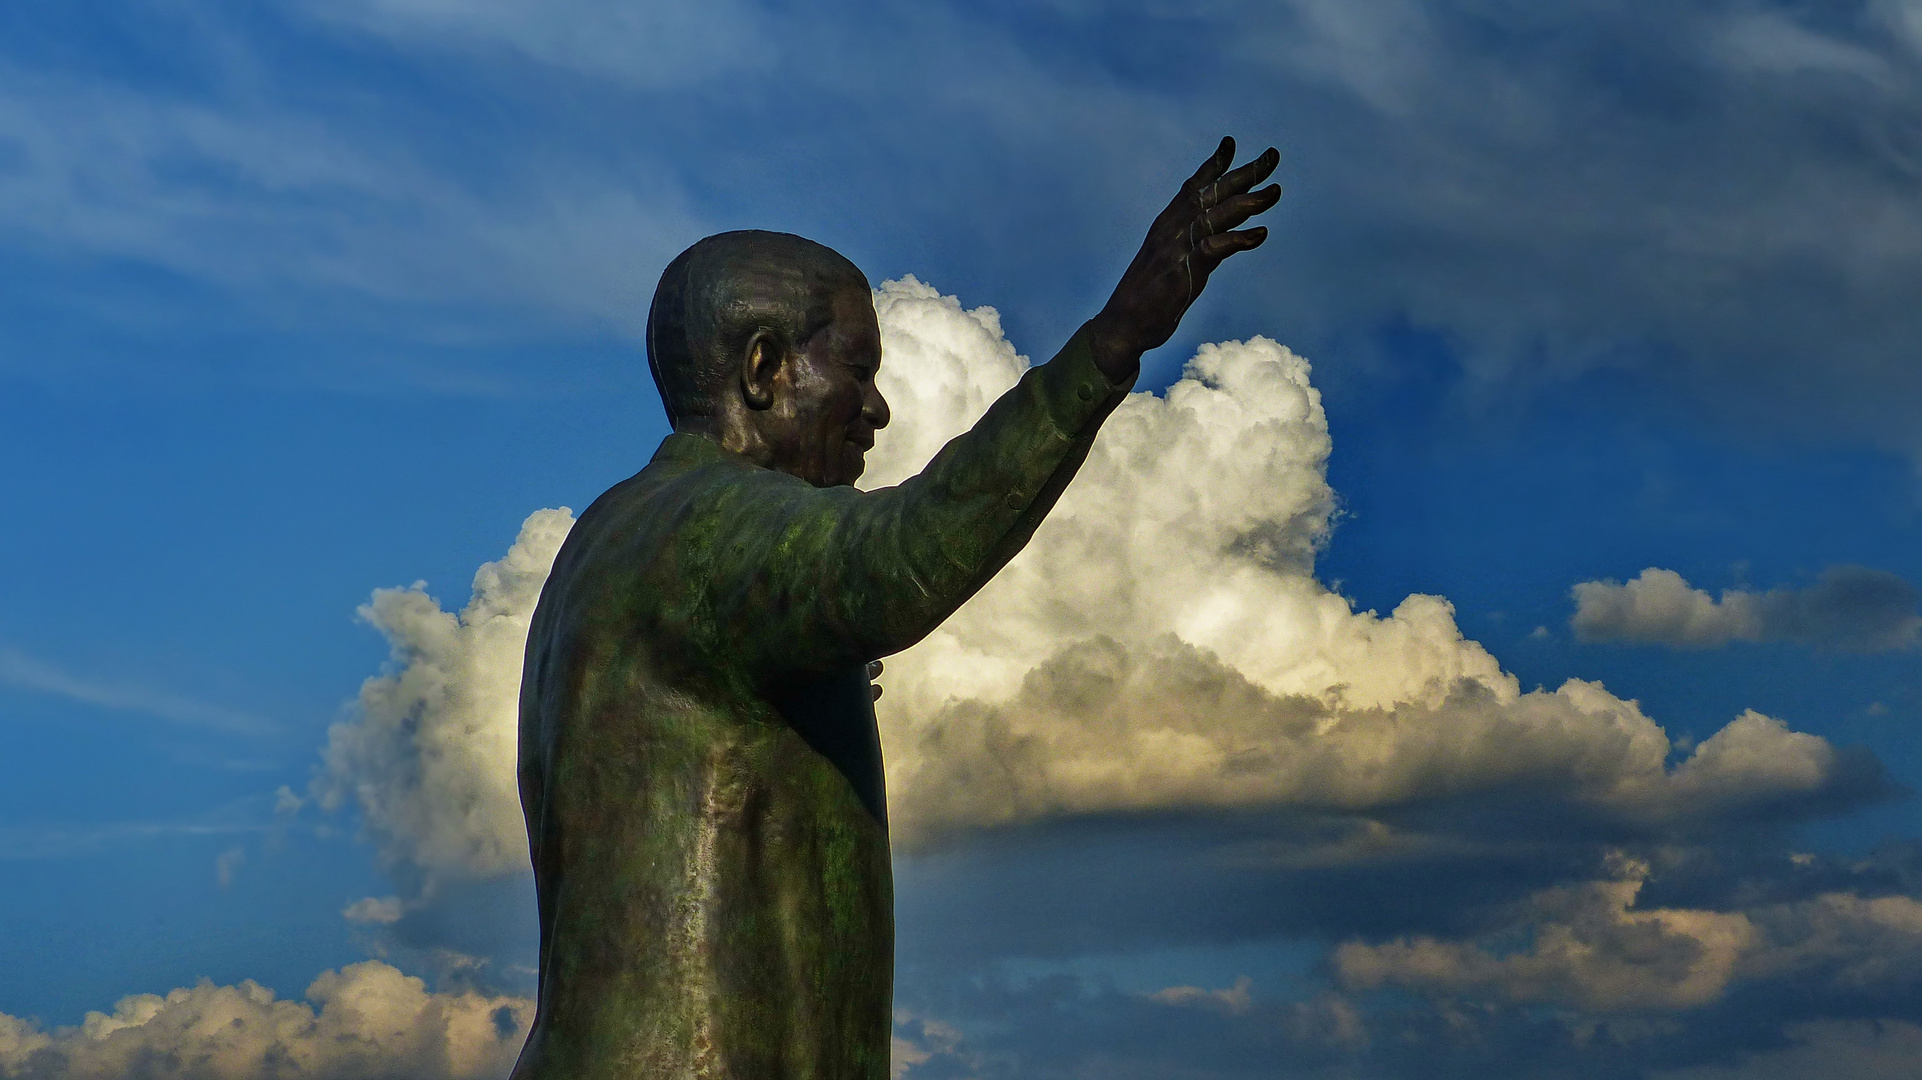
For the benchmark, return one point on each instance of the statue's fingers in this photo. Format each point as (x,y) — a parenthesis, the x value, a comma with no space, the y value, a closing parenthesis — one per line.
(1233,212)
(1240,180)
(874,669)
(1221,245)
(1211,169)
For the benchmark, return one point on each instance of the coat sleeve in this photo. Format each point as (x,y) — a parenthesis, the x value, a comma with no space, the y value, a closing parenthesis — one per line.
(808,580)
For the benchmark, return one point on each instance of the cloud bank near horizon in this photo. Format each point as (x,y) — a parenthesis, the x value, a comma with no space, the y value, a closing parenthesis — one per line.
(364,1020)
(1593,947)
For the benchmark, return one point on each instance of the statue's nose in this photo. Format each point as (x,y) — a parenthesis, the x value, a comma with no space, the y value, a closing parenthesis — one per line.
(875,409)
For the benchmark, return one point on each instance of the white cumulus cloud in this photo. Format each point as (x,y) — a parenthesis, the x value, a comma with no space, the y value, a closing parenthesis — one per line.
(1848,607)
(428,755)
(922,1041)
(1234,1000)
(379,910)
(1162,643)
(367,1021)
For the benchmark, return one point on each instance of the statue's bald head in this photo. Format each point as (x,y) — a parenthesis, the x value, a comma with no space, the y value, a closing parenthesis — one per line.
(717,294)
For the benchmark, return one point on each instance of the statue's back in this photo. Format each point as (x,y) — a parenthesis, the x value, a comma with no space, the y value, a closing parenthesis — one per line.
(715,896)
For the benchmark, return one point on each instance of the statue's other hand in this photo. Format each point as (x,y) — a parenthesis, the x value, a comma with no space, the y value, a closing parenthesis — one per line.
(1187,241)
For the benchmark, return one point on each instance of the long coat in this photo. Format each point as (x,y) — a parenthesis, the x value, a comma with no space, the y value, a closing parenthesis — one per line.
(699,762)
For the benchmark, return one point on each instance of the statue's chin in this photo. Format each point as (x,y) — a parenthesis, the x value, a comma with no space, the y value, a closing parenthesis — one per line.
(857,463)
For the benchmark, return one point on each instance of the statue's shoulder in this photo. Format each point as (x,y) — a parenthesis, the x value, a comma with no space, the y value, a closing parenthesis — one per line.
(690,469)
(691,484)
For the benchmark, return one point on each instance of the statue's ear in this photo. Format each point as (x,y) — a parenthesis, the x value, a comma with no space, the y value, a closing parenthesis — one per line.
(760,364)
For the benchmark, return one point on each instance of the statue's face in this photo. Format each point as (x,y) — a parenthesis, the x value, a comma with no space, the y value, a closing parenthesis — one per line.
(826,407)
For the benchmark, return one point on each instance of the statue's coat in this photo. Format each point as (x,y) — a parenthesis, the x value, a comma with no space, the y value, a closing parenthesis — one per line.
(699,762)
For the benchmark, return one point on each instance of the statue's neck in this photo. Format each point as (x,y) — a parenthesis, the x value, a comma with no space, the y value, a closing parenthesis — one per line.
(735,431)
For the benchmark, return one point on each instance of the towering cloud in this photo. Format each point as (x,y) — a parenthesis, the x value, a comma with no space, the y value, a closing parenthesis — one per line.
(1848,607)
(429,754)
(1162,644)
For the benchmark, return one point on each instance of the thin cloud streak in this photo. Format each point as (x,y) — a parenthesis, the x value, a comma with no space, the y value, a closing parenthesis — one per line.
(24,672)
(24,842)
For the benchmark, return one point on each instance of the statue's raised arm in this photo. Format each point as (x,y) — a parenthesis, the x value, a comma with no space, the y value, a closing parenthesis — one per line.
(699,761)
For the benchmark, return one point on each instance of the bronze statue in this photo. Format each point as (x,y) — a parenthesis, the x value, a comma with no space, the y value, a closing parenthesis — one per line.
(699,762)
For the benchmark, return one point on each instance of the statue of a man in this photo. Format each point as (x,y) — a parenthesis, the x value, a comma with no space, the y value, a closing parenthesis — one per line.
(699,762)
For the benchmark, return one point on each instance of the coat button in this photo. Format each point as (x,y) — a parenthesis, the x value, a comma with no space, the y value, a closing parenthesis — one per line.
(1086,392)
(1014,500)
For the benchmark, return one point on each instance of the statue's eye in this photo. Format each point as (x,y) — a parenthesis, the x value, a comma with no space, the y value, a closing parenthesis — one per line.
(861,372)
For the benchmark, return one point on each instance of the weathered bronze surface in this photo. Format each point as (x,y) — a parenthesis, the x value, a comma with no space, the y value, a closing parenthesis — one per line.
(699,762)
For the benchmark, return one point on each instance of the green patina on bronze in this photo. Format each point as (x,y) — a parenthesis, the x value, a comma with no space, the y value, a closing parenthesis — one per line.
(699,759)
(699,762)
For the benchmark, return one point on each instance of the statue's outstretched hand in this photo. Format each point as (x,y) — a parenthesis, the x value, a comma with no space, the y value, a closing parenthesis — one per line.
(1184,245)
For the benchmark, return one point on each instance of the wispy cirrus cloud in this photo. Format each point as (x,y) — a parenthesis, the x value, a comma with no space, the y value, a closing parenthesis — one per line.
(47,840)
(266,194)
(1720,199)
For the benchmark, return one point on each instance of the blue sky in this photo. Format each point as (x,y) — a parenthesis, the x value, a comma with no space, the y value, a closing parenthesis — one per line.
(303,300)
